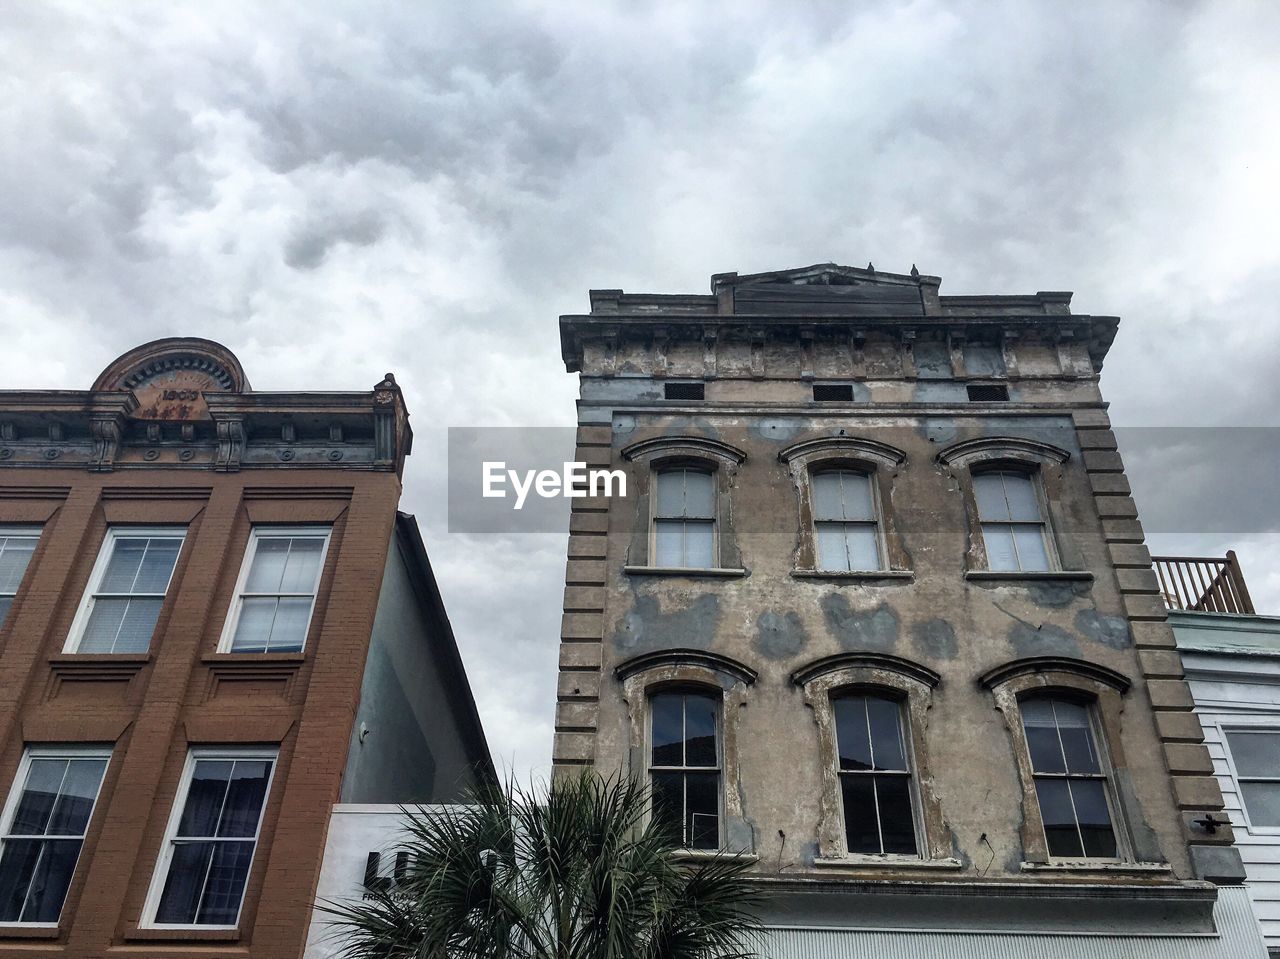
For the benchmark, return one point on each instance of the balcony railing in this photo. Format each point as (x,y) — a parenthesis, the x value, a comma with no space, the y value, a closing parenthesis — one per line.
(1203,584)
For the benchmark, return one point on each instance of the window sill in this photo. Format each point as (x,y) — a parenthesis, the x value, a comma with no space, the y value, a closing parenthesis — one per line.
(691,571)
(183,934)
(253,659)
(855,576)
(888,862)
(1015,576)
(29,932)
(707,855)
(1098,866)
(120,666)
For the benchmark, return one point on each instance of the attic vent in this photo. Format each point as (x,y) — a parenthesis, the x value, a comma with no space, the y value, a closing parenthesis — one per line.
(832,393)
(987,392)
(684,391)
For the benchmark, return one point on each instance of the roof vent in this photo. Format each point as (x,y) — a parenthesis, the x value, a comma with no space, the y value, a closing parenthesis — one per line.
(686,390)
(832,393)
(988,393)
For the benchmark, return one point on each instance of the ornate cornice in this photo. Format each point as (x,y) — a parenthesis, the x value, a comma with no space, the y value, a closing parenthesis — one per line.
(881,661)
(692,446)
(967,452)
(1034,665)
(687,657)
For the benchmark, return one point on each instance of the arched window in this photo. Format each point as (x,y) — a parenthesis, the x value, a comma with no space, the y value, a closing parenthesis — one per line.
(1012,518)
(684,765)
(875,775)
(1070,777)
(684,518)
(845,523)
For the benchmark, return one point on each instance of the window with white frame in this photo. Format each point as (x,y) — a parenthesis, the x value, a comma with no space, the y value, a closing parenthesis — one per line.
(276,593)
(875,776)
(126,590)
(1012,518)
(845,524)
(44,825)
(17,545)
(1255,753)
(684,767)
(684,523)
(1070,778)
(211,839)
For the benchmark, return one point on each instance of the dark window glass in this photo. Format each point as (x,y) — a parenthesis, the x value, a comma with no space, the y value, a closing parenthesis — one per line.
(833,393)
(875,777)
(1070,785)
(683,390)
(985,393)
(685,767)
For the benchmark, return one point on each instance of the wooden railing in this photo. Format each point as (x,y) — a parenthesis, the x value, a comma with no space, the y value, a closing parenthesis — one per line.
(1203,584)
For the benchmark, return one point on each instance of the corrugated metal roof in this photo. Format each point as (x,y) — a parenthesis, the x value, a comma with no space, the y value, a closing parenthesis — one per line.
(1238,938)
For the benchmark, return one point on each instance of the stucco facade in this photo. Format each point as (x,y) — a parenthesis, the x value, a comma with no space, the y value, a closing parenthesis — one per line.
(778,378)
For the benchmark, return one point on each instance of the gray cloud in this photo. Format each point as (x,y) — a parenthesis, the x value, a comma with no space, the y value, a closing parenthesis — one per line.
(337,189)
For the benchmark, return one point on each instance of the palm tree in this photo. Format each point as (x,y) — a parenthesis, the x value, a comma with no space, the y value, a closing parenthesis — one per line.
(581,873)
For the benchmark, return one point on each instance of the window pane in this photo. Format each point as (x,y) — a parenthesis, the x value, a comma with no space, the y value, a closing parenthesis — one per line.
(1077,737)
(851,732)
(5,603)
(50,880)
(1059,820)
(833,550)
(668,543)
(860,826)
(181,897)
(75,803)
(999,542)
(702,792)
(15,555)
(668,731)
(1095,820)
(1020,494)
(886,733)
(698,537)
(897,823)
(208,789)
(303,566)
(1042,736)
(289,631)
(269,559)
(122,568)
(857,496)
(245,795)
(1262,801)
(988,490)
(699,495)
(224,886)
(700,731)
(104,625)
(668,805)
(1032,555)
(826,497)
(18,861)
(157,566)
(44,778)
(253,629)
(670,500)
(863,545)
(1255,754)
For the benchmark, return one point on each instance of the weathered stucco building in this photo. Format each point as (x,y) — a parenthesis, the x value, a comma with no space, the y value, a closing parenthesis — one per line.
(214,626)
(877,614)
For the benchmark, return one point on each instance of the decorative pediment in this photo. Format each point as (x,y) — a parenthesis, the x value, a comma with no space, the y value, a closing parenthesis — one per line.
(826,288)
(169,377)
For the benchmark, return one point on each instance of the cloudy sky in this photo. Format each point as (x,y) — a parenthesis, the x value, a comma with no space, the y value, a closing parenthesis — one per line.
(337,190)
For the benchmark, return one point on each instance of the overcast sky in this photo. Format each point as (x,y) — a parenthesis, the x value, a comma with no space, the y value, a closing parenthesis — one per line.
(337,190)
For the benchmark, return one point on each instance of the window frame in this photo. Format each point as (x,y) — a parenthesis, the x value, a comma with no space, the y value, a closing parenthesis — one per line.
(256,533)
(911,685)
(876,522)
(717,696)
(1106,773)
(685,466)
(106,550)
(20,530)
(1225,730)
(164,861)
(52,751)
(1033,476)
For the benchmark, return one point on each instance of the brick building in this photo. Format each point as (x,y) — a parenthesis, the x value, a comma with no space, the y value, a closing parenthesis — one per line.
(214,626)
(877,616)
